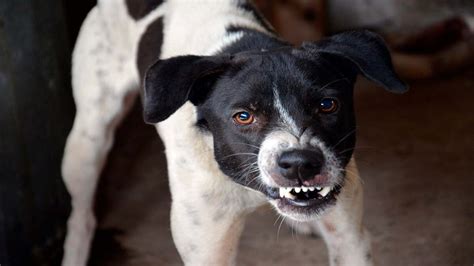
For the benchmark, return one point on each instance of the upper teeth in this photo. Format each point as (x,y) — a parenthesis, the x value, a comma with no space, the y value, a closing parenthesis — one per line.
(285,192)
(324,191)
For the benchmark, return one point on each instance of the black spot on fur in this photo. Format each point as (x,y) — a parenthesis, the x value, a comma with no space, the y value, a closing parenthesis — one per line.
(149,48)
(192,248)
(218,215)
(192,214)
(368,256)
(140,8)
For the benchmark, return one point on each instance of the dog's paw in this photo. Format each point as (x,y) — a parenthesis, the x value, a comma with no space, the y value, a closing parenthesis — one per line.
(304,228)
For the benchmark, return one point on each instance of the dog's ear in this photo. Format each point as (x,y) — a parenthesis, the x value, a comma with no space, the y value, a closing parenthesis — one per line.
(169,83)
(367,51)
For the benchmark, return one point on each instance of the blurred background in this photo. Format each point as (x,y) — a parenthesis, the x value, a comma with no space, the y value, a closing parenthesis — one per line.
(415,151)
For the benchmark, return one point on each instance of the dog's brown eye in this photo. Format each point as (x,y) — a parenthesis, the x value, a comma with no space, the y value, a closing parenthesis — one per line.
(243,118)
(328,105)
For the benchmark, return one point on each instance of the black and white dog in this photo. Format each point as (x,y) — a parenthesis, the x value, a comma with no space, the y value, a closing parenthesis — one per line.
(246,119)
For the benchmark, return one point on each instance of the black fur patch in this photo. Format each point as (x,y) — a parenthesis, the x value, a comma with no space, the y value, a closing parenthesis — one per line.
(140,8)
(149,48)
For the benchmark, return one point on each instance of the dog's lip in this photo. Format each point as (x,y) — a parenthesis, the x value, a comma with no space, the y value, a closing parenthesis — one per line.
(273,192)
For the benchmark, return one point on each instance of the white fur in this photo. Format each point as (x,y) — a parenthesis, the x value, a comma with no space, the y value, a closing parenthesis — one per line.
(208,209)
(341,226)
(285,116)
(105,83)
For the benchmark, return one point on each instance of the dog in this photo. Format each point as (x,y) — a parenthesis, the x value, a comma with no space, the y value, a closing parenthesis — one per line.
(246,119)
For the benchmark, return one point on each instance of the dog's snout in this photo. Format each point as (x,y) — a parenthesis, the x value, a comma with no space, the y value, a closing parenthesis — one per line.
(300,164)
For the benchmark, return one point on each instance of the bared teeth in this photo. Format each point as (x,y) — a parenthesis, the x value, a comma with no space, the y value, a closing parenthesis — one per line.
(285,193)
(289,192)
(324,191)
(282,192)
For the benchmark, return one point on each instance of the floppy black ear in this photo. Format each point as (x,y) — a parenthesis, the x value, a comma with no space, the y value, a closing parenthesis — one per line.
(368,52)
(170,83)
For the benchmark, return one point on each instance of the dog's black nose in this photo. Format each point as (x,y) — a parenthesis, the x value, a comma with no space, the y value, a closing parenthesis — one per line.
(300,164)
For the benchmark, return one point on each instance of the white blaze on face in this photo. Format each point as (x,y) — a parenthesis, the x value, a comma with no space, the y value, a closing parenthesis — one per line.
(285,116)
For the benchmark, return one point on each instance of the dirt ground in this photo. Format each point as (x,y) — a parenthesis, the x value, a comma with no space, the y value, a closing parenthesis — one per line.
(416,156)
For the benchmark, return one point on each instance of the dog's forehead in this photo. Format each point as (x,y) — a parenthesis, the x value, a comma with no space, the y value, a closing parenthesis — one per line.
(285,74)
(286,69)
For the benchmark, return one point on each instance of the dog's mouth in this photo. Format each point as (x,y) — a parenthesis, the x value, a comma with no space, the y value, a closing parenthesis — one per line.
(297,201)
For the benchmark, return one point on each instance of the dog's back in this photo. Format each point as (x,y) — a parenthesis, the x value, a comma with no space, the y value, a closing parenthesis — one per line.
(141,31)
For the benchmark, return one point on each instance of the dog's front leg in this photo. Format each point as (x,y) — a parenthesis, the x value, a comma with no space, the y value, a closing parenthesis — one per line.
(206,233)
(347,240)
(207,216)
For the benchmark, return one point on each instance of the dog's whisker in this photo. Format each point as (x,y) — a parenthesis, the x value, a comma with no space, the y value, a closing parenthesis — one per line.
(295,235)
(251,181)
(345,137)
(354,149)
(277,218)
(246,144)
(239,154)
(246,161)
(248,172)
(346,150)
(246,164)
(279,227)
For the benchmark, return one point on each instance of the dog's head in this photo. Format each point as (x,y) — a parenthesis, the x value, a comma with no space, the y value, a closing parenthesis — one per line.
(282,121)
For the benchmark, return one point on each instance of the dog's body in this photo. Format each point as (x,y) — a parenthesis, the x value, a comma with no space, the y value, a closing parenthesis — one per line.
(119,41)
